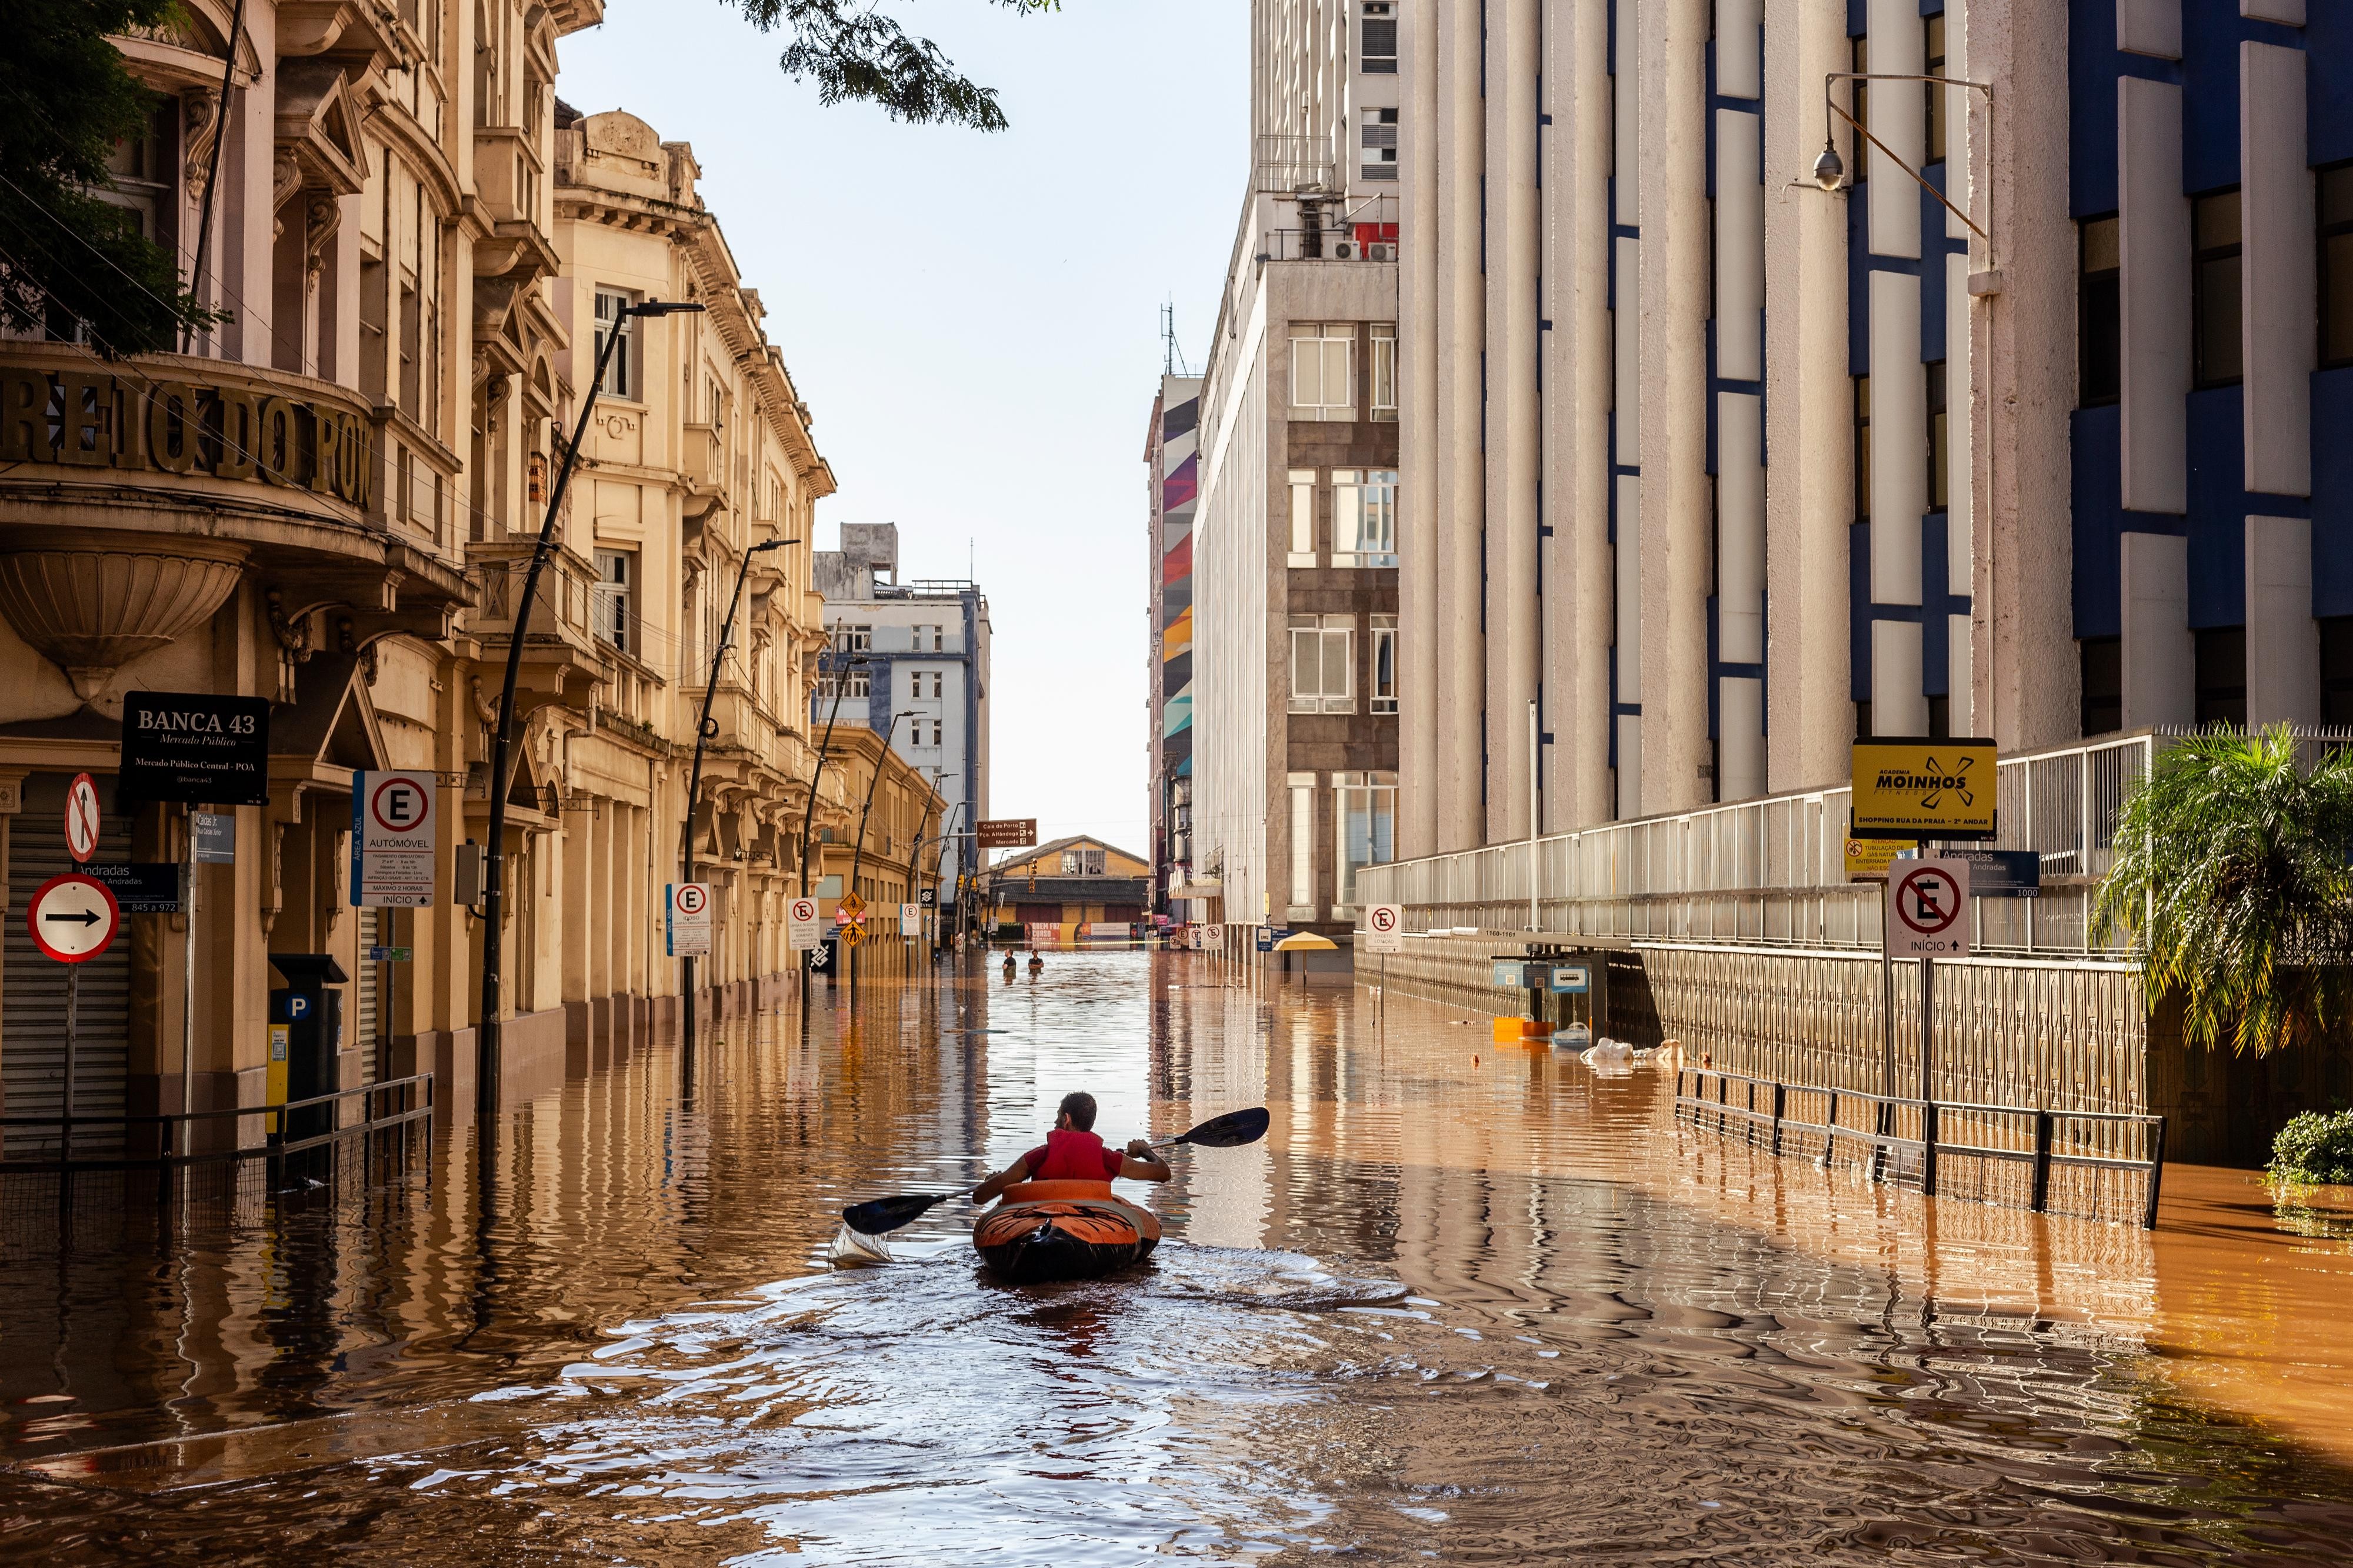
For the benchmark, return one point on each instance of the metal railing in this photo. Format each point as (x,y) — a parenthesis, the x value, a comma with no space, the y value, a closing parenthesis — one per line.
(416,1094)
(1931,1133)
(1773,871)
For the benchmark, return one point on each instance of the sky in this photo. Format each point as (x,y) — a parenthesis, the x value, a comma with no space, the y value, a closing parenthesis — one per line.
(974,319)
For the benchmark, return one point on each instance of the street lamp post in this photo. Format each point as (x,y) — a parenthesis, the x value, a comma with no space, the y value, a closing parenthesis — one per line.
(703,729)
(857,856)
(487,1043)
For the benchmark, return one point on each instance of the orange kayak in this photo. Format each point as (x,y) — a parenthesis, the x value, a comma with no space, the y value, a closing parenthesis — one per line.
(1062,1230)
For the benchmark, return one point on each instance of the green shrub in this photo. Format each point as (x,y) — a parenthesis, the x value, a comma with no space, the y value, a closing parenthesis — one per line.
(2315,1149)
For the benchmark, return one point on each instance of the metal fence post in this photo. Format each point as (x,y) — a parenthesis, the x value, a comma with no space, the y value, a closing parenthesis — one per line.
(2044,1123)
(1780,1092)
(1928,1148)
(2156,1172)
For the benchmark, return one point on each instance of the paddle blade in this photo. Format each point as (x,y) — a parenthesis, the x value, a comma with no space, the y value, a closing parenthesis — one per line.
(1232,1130)
(888,1214)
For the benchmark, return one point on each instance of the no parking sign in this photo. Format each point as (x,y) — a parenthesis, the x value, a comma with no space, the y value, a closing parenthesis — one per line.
(1928,909)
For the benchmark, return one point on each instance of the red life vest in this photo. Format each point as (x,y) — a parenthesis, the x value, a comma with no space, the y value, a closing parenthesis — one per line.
(1073,1156)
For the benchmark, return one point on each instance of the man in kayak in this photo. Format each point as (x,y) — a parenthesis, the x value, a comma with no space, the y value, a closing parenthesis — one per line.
(1072,1153)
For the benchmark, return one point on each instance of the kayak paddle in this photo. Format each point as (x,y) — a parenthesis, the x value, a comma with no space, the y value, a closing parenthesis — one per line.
(879,1215)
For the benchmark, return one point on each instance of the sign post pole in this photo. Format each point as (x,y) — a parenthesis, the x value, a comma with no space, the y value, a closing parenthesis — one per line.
(185,1143)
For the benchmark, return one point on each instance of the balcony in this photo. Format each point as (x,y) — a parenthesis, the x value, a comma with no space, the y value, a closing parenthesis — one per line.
(563,661)
(703,460)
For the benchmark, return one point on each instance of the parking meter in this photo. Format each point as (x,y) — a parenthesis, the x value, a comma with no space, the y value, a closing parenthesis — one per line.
(306,1025)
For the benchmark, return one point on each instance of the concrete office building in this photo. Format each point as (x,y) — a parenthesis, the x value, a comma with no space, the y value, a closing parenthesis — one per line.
(1173,461)
(1294,539)
(912,658)
(1721,470)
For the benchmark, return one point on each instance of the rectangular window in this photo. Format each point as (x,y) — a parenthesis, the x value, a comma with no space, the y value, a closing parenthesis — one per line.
(1934,26)
(1302,847)
(2099,307)
(2221,653)
(1364,517)
(851,638)
(1323,664)
(1303,517)
(1385,396)
(2102,659)
(1379,54)
(621,370)
(1384,664)
(1323,368)
(1861,449)
(2214,291)
(1366,824)
(2337,669)
(1091,862)
(1377,133)
(617,574)
(1940,478)
(2335,212)
(860,683)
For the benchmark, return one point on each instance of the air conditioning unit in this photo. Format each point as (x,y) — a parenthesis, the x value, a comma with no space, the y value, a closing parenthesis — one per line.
(1381,252)
(1347,250)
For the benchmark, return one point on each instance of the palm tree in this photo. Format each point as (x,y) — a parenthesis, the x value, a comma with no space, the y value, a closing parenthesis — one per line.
(2232,873)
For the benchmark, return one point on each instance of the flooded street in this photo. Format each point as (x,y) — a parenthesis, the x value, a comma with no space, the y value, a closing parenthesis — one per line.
(1467,1301)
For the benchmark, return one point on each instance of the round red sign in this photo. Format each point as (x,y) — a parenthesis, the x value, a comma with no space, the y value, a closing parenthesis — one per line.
(1928,899)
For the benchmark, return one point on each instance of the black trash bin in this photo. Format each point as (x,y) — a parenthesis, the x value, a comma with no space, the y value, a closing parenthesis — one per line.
(311,1009)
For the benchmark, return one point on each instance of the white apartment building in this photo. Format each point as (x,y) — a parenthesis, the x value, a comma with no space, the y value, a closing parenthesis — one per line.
(1295,531)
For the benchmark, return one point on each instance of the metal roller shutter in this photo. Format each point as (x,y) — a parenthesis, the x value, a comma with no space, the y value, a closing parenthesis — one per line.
(33,988)
(365,976)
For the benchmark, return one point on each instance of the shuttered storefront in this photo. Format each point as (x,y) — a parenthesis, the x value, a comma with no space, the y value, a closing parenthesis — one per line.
(366,987)
(33,988)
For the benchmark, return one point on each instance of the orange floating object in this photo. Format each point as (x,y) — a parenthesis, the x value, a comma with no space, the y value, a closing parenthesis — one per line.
(1062,1230)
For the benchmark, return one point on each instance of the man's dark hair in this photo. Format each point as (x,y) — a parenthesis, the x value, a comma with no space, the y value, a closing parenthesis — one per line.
(1081,1109)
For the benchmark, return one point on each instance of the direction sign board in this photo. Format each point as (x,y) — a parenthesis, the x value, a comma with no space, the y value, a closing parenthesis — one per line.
(392,838)
(686,919)
(73,918)
(1009,833)
(1384,928)
(196,747)
(1924,789)
(1928,909)
(801,925)
(2003,873)
(910,920)
(81,818)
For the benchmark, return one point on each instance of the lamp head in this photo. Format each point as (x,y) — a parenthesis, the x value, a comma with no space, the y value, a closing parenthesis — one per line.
(661,308)
(1830,169)
(771,544)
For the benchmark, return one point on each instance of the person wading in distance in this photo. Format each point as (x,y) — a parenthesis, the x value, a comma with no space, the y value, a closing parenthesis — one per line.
(1072,1153)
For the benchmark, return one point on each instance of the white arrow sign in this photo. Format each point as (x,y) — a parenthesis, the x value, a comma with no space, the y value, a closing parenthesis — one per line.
(81,818)
(73,918)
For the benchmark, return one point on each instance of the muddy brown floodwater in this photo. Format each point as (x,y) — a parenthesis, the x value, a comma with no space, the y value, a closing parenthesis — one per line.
(1467,1303)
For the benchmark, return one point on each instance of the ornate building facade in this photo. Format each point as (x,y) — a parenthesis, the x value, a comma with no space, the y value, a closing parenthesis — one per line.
(328,502)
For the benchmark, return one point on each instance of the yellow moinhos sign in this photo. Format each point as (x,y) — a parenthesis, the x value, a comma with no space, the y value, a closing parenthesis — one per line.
(1924,789)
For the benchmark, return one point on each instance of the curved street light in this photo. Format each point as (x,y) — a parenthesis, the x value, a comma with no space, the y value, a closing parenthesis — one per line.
(487,1042)
(704,728)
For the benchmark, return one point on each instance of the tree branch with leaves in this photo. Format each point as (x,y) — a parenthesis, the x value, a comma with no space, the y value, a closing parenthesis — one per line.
(855,53)
(2231,879)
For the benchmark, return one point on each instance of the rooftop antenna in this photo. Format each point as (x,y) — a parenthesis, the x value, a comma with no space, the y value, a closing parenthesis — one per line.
(1172,356)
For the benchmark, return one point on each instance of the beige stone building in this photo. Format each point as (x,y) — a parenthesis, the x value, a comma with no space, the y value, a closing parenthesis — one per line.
(328,503)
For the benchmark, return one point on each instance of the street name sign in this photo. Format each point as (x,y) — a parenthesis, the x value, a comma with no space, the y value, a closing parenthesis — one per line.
(1924,789)
(392,838)
(194,747)
(81,818)
(2003,873)
(1384,928)
(910,920)
(215,838)
(1928,909)
(686,921)
(801,926)
(1009,833)
(142,888)
(388,955)
(73,918)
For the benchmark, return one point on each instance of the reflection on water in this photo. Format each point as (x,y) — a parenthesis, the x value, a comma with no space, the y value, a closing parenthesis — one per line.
(1467,1300)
